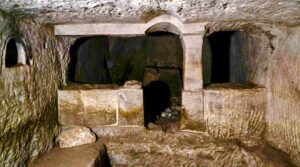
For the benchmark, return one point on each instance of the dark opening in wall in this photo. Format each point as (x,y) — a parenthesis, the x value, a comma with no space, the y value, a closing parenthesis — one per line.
(88,63)
(234,57)
(157,97)
(162,80)
(220,56)
(11,55)
(157,57)
(15,53)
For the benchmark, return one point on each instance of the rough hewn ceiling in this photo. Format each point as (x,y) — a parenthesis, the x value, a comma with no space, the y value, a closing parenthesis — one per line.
(62,11)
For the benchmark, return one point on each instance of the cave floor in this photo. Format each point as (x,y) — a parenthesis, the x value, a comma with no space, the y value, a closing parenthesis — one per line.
(156,148)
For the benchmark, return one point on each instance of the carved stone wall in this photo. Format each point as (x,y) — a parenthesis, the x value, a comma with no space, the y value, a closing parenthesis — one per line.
(28,106)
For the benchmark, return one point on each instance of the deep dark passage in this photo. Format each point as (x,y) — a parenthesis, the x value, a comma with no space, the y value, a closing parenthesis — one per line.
(88,63)
(154,60)
(220,49)
(156,99)
(11,56)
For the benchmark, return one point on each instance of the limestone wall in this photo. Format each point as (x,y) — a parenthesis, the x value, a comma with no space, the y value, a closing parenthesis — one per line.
(28,107)
(235,112)
(249,55)
(283,116)
(271,58)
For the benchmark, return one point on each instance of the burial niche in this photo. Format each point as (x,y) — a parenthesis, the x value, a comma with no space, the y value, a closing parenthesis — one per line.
(228,57)
(88,63)
(155,60)
(163,79)
(15,54)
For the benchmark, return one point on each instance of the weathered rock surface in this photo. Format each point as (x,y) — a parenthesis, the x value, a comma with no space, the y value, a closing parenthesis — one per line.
(72,136)
(28,107)
(89,155)
(154,148)
(273,11)
(28,118)
(235,112)
(132,84)
(283,116)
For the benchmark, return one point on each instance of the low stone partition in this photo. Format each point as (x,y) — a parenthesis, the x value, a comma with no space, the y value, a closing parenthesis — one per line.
(100,105)
(235,112)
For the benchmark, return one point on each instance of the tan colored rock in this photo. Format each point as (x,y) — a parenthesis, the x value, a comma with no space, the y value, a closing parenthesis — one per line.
(133,84)
(88,106)
(131,107)
(192,111)
(100,107)
(234,112)
(285,12)
(70,107)
(75,136)
(88,155)
(192,72)
(150,75)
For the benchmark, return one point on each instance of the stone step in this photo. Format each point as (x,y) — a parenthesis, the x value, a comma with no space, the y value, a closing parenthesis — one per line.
(88,155)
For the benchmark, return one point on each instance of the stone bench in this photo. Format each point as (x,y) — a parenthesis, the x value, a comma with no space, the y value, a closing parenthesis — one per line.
(96,106)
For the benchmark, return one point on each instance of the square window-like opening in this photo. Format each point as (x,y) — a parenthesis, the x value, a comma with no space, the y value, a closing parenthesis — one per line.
(228,57)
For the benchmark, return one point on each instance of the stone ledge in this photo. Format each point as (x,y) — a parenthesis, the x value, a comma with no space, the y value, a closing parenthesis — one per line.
(89,155)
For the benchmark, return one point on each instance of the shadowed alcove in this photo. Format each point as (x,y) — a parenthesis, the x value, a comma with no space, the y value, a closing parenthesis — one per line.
(155,60)
(15,54)
(230,56)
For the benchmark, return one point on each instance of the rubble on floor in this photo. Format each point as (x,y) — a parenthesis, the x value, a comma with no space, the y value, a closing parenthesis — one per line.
(73,135)
(89,155)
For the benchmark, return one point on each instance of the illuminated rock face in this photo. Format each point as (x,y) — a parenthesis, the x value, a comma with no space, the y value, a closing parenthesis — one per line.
(235,112)
(28,107)
(75,136)
(96,106)
(90,108)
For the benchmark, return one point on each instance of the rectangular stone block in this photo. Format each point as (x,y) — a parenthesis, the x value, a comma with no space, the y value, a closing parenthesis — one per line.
(131,107)
(192,117)
(100,107)
(70,108)
(88,107)
(235,112)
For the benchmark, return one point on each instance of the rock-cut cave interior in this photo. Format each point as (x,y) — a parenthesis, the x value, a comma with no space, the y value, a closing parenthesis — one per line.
(149,83)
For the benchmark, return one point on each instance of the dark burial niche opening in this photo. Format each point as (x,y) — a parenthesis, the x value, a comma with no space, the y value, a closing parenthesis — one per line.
(88,63)
(11,55)
(162,82)
(227,57)
(220,43)
(158,56)
(157,97)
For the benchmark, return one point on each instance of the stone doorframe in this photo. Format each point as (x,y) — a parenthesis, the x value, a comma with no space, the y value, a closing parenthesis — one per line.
(191,35)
